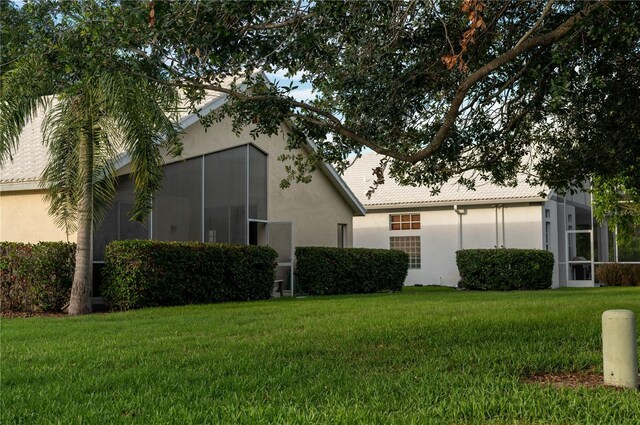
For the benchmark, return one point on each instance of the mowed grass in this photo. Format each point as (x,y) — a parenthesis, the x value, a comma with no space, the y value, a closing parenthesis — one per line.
(422,356)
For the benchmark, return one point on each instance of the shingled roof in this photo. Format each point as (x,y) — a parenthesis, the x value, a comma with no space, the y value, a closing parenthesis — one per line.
(360,178)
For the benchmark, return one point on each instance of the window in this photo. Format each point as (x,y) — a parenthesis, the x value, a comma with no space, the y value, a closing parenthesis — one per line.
(410,245)
(547,213)
(208,198)
(404,221)
(342,235)
(547,235)
(177,206)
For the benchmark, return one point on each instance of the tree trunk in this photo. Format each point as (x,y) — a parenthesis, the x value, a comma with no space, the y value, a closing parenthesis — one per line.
(81,290)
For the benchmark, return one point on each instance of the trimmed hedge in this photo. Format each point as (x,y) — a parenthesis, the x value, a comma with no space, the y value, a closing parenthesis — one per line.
(615,274)
(505,269)
(36,277)
(144,273)
(332,271)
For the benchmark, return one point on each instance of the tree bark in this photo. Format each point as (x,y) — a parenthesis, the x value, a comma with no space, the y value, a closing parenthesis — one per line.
(81,290)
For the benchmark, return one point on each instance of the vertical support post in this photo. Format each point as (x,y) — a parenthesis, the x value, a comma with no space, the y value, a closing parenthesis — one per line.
(619,348)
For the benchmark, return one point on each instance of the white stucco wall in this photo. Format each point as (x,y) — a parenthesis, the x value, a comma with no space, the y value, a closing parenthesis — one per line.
(440,235)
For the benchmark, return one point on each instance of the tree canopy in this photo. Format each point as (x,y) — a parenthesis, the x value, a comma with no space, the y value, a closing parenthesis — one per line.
(439,88)
(74,67)
(543,87)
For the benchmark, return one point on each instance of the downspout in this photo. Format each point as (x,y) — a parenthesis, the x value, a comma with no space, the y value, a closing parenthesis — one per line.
(497,241)
(460,213)
(615,245)
(504,243)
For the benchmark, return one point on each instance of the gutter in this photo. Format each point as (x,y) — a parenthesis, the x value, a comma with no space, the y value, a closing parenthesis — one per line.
(452,203)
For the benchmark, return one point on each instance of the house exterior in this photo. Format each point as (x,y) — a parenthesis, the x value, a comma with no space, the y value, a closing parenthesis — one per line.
(224,188)
(432,228)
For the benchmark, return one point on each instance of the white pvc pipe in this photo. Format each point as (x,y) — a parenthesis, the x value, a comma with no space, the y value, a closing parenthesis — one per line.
(619,348)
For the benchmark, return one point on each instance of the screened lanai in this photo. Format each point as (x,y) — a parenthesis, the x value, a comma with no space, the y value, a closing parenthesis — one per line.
(217,197)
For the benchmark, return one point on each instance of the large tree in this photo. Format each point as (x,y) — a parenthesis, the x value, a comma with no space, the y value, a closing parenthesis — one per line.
(99,101)
(549,88)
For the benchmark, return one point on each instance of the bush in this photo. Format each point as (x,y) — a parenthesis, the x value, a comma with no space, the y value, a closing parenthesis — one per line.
(36,277)
(331,271)
(143,273)
(615,274)
(504,269)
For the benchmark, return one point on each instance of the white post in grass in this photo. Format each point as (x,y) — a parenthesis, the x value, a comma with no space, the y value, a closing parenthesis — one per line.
(619,348)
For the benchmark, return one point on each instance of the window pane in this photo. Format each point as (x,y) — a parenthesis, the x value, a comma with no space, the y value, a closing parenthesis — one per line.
(107,232)
(225,196)
(128,229)
(257,184)
(177,207)
(117,224)
(410,245)
(404,221)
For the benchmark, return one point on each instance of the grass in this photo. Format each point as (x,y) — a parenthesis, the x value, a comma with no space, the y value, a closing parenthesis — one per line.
(423,356)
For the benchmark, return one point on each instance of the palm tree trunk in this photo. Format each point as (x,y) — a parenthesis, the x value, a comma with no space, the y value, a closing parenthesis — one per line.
(81,290)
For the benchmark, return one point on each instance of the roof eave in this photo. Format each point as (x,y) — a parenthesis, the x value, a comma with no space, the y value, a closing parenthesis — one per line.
(450,203)
(20,186)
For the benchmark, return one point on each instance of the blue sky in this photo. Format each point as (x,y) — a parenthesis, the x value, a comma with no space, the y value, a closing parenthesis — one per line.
(304,90)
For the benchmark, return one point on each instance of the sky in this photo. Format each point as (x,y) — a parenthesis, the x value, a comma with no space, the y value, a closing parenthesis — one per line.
(304,90)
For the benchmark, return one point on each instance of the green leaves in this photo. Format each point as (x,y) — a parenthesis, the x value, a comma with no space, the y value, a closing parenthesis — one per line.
(83,59)
(504,269)
(333,271)
(616,200)
(35,277)
(149,273)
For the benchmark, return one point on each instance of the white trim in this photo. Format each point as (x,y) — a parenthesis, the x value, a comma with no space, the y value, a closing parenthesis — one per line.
(340,184)
(19,186)
(453,202)
(191,119)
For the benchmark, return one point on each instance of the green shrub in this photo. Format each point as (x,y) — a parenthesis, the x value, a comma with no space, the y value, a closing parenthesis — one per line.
(505,269)
(36,277)
(615,274)
(143,273)
(330,271)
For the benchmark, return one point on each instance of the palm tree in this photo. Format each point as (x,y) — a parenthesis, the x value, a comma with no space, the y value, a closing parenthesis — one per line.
(102,107)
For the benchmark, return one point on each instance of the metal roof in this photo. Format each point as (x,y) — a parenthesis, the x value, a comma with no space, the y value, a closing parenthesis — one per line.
(390,194)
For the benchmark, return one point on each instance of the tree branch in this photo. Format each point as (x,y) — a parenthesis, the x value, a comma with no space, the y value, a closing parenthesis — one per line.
(506,57)
(535,26)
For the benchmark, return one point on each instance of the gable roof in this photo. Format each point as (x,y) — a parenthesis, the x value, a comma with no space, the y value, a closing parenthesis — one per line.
(24,171)
(392,195)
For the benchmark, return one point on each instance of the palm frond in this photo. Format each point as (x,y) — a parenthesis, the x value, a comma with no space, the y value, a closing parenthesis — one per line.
(24,91)
(61,175)
(145,114)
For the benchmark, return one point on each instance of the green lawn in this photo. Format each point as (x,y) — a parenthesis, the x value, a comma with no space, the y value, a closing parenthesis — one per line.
(422,356)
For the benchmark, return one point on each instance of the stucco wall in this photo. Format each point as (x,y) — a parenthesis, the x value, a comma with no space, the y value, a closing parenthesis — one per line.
(440,235)
(24,218)
(315,208)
